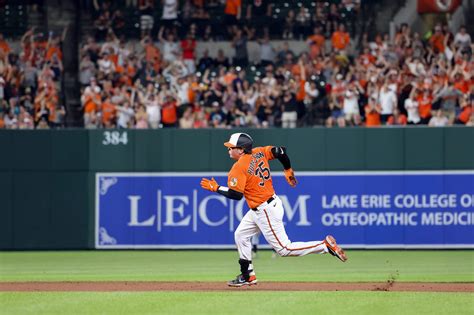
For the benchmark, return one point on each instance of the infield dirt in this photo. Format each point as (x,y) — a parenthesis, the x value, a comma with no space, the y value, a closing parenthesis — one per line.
(221,286)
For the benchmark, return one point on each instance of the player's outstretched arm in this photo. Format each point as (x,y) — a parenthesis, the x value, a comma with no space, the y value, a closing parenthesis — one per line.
(230,193)
(280,154)
(211,185)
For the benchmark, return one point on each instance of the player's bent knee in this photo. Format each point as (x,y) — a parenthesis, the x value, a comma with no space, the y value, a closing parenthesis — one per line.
(240,238)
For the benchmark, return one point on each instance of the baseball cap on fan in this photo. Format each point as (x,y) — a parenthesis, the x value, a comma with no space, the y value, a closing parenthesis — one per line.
(240,140)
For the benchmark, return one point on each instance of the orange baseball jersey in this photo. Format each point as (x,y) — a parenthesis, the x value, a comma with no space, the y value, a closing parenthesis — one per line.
(251,176)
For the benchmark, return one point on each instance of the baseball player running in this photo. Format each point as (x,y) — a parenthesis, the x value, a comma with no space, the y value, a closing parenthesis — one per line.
(250,178)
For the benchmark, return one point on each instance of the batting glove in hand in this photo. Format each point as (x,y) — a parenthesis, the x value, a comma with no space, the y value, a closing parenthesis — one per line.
(290,177)
(209,184)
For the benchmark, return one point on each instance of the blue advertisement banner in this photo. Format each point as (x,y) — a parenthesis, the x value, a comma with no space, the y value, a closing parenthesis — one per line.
(361,209)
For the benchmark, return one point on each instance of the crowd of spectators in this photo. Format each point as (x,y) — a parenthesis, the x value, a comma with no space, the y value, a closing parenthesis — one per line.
(30,82)
(409,80)
(159,82)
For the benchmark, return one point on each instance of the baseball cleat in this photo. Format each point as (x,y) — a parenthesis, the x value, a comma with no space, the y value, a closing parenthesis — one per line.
(334,249)
(240,281)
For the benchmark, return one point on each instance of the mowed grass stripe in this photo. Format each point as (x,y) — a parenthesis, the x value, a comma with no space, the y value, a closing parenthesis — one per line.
(362,266)
(237,303)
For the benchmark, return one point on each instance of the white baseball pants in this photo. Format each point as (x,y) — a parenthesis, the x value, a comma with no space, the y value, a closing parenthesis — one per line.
(269,220)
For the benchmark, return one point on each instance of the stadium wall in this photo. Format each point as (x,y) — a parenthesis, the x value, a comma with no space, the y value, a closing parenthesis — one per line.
(47,178)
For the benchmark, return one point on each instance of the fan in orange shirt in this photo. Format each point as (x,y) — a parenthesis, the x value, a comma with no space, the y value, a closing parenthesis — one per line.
(152,52)
(193,88)
(367,59)
(233,7)
(169,114)
(316,43)
(53,49)
(460,83)
(4,47)
(437,40)
(466,111)
(108,112)
(232,13)
(372,113)
(340,39)
(250,177)
(229,77)
(91,99)
(425,102)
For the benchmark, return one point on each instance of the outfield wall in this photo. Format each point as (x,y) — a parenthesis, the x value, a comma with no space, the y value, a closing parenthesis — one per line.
(47,178)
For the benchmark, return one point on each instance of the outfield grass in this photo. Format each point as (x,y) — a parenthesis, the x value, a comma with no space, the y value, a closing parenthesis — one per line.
(362,266)
(284,303)
(426,266)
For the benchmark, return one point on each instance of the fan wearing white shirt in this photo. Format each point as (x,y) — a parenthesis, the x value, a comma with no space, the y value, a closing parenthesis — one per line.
(171,48)
(388,102)
(153,109)
(351,105)
(106,65)
(439,119)
(311,92)
(462,39)
(124,115)
(169,13)
(411,105)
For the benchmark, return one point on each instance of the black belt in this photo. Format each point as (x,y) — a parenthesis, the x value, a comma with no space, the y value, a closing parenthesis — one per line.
(268,201)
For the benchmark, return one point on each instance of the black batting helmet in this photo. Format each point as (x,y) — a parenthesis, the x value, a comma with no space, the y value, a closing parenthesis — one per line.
(240,140)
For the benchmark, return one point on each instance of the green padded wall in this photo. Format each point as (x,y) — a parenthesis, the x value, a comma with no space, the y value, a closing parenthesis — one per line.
(32,210)
(69,151)
(458,148)
(69,210)
(31,150)
(6,210)
(6,152)
(424,148)
(345,149)
(384,149)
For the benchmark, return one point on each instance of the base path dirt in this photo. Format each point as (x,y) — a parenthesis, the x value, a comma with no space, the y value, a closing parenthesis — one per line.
(220,286)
